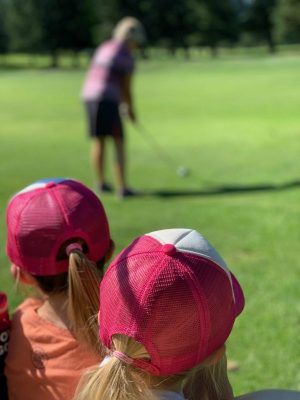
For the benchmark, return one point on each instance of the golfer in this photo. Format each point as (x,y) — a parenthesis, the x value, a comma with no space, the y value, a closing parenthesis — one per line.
(106,88)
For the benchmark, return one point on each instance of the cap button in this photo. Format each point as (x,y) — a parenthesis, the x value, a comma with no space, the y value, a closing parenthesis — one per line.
(50,185)
(169,249)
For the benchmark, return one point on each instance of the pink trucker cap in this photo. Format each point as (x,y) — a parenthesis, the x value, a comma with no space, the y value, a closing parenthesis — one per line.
(47,214)
(172,292)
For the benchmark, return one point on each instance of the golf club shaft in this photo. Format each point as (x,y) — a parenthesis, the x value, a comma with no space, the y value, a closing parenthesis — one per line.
(155,146)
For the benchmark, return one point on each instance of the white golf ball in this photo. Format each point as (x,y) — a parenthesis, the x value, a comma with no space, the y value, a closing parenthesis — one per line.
(182,171)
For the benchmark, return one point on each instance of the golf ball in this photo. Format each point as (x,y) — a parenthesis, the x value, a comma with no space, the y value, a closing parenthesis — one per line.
(182,171)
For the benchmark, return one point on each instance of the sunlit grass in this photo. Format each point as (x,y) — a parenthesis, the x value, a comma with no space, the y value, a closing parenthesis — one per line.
(235,124)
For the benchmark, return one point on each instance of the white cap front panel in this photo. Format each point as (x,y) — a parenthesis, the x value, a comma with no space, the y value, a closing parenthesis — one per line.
(190,241)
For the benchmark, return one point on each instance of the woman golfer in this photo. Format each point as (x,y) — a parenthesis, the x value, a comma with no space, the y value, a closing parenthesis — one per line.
(107,86)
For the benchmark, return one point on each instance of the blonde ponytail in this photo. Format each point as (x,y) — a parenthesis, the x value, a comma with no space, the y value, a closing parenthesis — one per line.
(209,382)
(83,304)
(116,380)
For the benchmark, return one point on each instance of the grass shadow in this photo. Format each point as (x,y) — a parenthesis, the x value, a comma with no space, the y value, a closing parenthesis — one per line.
(224,190)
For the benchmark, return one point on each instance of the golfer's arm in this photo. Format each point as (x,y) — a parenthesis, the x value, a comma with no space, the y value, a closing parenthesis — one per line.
(126,92)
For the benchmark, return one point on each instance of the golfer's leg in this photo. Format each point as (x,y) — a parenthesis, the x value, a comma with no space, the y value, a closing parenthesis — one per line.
(120,163)
(97,158)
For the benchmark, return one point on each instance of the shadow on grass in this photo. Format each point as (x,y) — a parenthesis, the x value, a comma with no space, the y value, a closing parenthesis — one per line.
(223,190)
(21,67)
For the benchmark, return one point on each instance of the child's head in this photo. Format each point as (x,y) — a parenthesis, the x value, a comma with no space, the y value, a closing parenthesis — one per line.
(49,219)
(167,304)
(58,238)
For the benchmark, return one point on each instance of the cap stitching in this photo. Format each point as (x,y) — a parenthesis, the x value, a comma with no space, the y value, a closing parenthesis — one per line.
(153,235)
(61,206)
(204,307)
(141,297)
(144,290)
(185,234)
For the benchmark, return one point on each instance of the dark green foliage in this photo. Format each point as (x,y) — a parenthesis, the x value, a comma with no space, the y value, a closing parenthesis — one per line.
(259,21)
(23,26)
(288,21)
(52,26)
(65,24)
(168,23)
(4,38)
(217,22)
(174,24)
(49,26)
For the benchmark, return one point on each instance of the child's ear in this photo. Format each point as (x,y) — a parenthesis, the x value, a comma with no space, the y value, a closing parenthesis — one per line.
(110,250)
(22,276)
(15,272)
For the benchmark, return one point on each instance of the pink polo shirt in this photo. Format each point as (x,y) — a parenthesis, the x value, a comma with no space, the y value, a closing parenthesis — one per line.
(112,60)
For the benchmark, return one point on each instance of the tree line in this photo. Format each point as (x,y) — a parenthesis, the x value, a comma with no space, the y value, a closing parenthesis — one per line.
(52,26)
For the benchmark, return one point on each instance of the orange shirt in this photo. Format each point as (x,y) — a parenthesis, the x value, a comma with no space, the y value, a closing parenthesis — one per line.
(44,361)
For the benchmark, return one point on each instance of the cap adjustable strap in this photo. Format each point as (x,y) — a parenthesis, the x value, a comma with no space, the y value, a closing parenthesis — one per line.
(123,357)
(72,247)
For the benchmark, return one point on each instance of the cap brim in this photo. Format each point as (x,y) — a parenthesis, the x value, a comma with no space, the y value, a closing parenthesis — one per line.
(238,295)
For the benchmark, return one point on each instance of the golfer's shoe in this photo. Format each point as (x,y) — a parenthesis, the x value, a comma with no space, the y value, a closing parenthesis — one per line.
(126,192)
(105,188)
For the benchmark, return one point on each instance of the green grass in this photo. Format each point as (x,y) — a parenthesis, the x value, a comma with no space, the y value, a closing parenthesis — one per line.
(235,123)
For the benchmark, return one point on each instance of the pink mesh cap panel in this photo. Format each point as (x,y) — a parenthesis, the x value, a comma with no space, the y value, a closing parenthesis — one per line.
(216,288)
(14,211)
(39,221)
(173,335)
(179,306)
(86,218)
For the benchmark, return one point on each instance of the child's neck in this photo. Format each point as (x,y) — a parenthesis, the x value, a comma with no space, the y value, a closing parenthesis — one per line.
(54,310)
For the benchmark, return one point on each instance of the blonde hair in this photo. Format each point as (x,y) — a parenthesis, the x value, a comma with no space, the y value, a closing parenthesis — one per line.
(209,381)
(116,380)
(129,29)
(80,286)
(83,299)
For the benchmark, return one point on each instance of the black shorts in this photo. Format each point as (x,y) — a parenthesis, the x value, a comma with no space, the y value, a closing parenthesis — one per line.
(104,118)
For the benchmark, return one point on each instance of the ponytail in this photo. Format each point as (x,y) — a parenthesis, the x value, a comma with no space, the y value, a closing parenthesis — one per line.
(116,380)
(83,304)
(209,381)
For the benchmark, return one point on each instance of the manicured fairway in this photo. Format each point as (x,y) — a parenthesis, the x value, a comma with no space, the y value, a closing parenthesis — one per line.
(235,123)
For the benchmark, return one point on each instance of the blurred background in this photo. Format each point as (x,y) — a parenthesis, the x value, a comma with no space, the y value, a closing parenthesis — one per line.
(177,28)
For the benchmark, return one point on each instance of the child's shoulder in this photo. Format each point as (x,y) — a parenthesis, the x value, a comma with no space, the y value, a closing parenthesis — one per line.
(27,309)
(27,320)
(29,304)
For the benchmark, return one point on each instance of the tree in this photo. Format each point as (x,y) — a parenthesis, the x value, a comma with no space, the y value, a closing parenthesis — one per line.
(23,26)
(65,25)
(259,21)
(179,23)
(216,22)
(3,28)
(49,26)
(170,23)
(288,21)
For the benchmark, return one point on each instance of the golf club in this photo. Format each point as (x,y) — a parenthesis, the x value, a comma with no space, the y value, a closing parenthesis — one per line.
(181,170)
